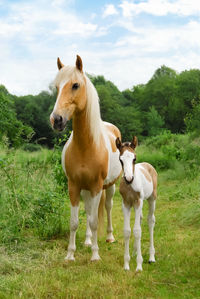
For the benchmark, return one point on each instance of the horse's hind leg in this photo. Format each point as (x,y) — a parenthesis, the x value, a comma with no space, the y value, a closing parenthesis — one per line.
(93,225)
(151,222)
(108,205)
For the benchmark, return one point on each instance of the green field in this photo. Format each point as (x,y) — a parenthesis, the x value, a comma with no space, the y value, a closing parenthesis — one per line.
(34,231)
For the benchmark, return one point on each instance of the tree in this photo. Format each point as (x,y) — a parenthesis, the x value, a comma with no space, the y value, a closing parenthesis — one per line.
(10,126)
(155,122)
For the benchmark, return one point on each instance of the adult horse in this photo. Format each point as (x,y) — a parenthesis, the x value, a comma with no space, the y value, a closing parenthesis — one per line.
(90,157)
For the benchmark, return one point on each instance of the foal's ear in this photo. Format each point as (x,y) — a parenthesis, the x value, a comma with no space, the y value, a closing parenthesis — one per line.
(118,143)
(134,142)
(79,64)
(59,64)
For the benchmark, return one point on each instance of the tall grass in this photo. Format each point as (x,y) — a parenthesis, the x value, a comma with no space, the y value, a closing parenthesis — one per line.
(31,198)
(34,226)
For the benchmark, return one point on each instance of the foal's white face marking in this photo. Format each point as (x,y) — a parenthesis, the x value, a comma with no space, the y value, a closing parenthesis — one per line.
(127,159)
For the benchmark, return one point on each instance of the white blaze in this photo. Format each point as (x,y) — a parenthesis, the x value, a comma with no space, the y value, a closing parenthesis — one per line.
(127,159)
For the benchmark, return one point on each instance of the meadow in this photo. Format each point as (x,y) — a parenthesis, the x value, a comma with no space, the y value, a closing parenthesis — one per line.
(34,229)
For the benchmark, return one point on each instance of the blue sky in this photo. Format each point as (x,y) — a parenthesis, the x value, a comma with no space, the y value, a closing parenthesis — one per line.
(124,40)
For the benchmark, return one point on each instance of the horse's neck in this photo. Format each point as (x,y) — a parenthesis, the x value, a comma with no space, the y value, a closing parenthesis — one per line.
(81,130)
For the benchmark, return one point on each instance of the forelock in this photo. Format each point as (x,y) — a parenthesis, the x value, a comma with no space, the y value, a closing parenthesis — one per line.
(68,73)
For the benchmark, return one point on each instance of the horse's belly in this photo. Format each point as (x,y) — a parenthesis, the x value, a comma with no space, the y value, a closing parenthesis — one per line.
(114,169)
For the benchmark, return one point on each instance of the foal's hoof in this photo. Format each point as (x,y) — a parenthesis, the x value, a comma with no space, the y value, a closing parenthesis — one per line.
(139,269)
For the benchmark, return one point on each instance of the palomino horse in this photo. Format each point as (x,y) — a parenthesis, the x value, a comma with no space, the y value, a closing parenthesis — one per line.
(138,183)
(90,157)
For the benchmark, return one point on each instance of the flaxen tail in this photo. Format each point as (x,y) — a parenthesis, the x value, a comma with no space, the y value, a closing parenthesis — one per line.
(101,214)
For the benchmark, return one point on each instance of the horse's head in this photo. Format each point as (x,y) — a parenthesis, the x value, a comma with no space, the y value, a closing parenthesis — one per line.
(127,158)
(71,93)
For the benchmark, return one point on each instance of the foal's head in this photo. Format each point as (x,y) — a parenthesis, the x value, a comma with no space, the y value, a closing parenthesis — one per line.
(127,158)
(71,93)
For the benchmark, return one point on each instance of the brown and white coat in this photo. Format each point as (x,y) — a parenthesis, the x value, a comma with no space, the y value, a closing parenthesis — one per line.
(138,183)
(90,156)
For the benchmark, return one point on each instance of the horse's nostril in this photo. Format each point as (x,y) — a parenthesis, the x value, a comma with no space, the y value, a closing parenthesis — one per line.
(57,119)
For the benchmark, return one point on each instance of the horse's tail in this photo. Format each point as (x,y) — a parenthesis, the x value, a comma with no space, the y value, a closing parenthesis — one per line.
(101,213)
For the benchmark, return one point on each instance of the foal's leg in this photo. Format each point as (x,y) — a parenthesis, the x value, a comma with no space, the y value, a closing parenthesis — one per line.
(137,234)
(108,205)
(93,225)
(151,222)
(127,233)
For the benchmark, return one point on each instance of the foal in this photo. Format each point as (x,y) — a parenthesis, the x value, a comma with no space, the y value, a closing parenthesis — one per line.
(138,183)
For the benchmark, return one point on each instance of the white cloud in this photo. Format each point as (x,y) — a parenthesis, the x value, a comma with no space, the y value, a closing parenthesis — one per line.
(109,10)
(160,7)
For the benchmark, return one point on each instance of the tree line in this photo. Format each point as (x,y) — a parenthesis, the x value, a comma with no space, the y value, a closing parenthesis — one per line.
(168,101)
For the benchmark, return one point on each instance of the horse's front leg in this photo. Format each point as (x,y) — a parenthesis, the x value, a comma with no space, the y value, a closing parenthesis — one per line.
(137,234)
(86,195)
(93,225)
(108,205)
(74,194)
(127,233)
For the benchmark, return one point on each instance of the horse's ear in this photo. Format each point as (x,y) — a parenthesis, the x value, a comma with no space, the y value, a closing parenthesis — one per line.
(79,64)
(59,63)
(118,143)
(134,142)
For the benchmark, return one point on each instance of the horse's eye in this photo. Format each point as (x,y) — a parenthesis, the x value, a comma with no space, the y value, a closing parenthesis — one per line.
(75,86)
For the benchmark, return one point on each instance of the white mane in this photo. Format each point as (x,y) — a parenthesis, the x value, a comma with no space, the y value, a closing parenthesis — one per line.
(93,111)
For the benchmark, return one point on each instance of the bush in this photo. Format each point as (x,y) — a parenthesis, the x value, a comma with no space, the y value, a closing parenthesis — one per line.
(31,147)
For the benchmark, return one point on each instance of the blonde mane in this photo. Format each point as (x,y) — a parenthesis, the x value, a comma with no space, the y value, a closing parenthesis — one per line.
(93,111)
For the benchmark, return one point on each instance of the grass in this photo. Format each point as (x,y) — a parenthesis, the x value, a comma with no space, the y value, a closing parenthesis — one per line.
(32,261)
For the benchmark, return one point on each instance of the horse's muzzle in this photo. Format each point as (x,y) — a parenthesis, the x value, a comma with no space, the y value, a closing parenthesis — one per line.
(57,122)
(128,182)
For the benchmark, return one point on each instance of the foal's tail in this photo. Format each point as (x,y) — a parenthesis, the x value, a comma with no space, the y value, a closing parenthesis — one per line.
(101,214)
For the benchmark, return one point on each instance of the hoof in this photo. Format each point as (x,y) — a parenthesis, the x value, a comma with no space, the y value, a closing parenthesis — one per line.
(110,240)
(126,267)
(139,269)
(67,259)
(88,244)
(152,262)
(95,258)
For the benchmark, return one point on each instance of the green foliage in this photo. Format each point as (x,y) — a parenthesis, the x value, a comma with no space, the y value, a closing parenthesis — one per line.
(34,111)
(155,122)
(192,119)
(30,199)
(10,126)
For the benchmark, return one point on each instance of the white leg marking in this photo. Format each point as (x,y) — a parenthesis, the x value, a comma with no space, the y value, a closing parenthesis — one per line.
(137,234)
(87,198)
(73,229)
(93,225)
(108,205)
(127,233)
(151,222)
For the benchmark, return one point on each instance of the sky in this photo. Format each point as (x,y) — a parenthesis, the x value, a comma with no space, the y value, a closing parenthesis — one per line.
(123,40)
